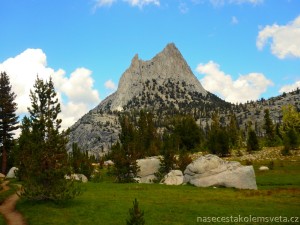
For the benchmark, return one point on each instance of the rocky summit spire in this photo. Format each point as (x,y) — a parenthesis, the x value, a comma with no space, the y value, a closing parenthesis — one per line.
(163,85)
(167,68)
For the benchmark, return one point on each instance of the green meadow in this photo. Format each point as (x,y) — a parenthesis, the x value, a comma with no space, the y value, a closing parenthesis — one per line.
(107,202)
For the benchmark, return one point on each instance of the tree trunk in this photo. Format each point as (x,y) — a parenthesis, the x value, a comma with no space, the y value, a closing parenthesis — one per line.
(4,159)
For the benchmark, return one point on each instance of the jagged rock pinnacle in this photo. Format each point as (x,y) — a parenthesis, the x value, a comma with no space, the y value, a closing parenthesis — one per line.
(168,65)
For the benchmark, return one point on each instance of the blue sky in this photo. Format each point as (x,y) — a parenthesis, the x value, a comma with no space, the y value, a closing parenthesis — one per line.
(238,49)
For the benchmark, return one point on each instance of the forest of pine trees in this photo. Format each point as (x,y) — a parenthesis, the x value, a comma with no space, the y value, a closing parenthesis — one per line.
(181,135)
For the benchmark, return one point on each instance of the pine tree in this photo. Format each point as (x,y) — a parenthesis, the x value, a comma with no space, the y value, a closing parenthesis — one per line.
(269,128)
(252,141)
(168,161)
(8,118)
(218,140)
(147,137)
(124,153)
(42,154)
(189,133)
(290,127)
(80,161)
(233,131)
(136,215)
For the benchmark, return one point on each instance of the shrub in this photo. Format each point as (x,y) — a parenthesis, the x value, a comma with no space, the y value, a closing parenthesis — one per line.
(291,139)
(184,160)
(271,165)
(96,177)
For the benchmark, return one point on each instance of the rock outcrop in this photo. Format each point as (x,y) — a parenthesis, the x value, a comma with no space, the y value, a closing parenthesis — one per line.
(210,170)
(148,167)
(174,177)
(12,172)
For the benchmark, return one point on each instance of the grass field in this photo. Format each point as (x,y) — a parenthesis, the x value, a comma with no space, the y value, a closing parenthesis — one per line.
(107,203)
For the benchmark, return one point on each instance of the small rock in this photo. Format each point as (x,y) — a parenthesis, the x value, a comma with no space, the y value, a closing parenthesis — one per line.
(77,177)
(108,163)
(263,168)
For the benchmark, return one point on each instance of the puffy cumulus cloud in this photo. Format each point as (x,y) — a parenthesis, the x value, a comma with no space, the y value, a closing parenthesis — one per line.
(110,85)
(291,87)
(23,70)
(285,40)
(78,88)
(246,87)
(75,93)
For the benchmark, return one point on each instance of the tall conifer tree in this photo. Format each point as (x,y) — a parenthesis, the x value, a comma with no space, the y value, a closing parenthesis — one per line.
(124,153)
(42,148)
(269,128)
(8,118)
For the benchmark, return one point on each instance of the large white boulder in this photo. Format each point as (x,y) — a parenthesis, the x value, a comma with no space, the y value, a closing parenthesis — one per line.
(210,170)
(12,172)
(148,167)
(174,177)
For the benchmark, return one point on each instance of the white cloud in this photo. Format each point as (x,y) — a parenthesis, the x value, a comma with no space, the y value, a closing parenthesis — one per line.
(103,3)
(79,87)
(141,3)
(110,85)
(234,20)
(76,93)
(246,87)
(285,40)
(291,87)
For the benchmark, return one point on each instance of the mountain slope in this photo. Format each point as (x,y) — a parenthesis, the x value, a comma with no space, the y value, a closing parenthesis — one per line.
(164,85)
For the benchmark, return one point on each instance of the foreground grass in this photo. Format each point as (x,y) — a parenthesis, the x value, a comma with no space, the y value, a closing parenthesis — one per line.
(108,203)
